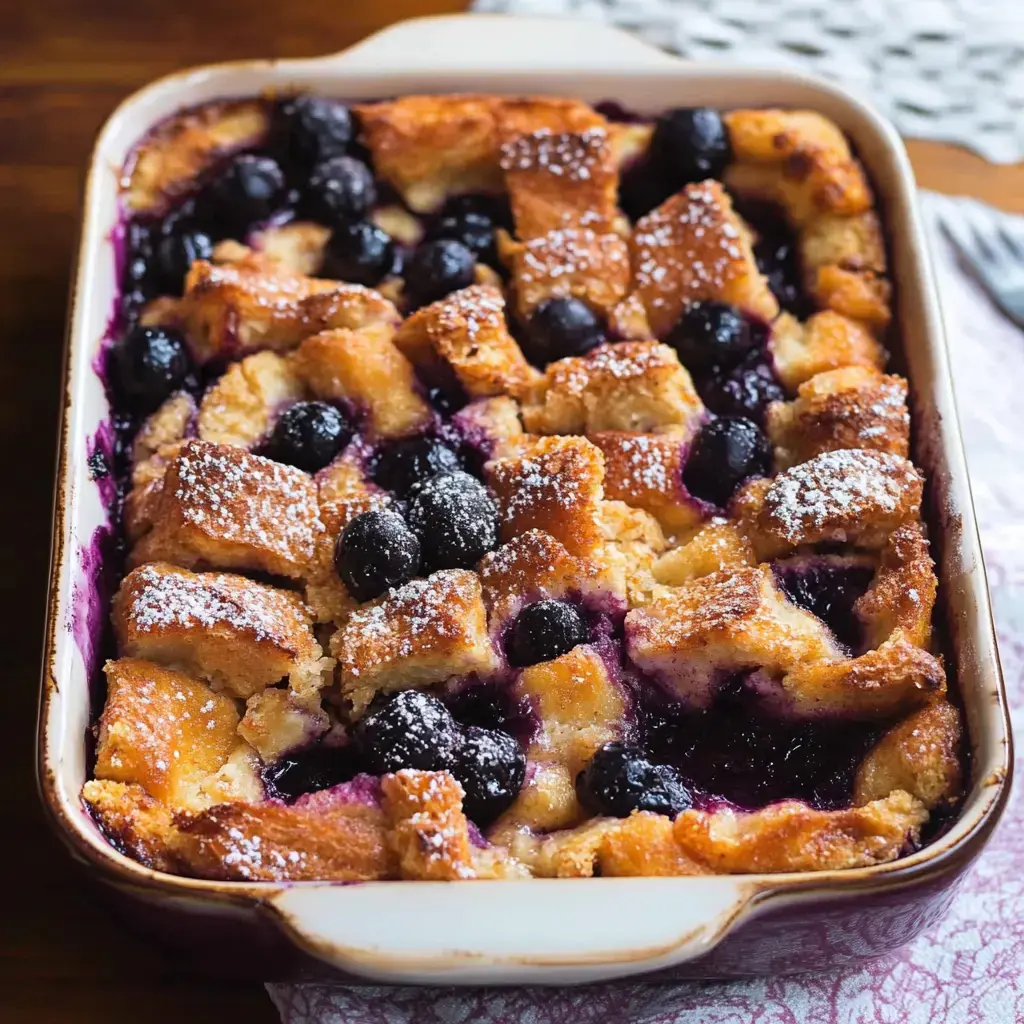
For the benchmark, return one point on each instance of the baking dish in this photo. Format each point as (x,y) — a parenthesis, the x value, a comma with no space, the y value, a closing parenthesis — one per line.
(553,932)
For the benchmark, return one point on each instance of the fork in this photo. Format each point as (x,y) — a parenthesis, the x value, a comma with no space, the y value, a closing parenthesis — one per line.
(991,245)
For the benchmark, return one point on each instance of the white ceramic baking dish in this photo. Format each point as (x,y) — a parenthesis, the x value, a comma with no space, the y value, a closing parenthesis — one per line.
(553,932)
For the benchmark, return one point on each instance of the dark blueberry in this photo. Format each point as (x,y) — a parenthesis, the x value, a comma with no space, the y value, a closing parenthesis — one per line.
(308,435)
(778,260)
(150,364)
(311,129)
(491,768)
(402,464)
(619,780)
(408,729)
(308,771)
(690,144)
(669,729)
(544,631)
(561,328)
(472,230)
(361,253)
(339,191)
(727,451)
(494,209)
(455,519)
(137,285)
(249,190)
(753,758)
(490,705)
(710,334)
(436,269)
(99,465)
(744,391)
(375,552)
(175,254)
(829,590)
(642,188)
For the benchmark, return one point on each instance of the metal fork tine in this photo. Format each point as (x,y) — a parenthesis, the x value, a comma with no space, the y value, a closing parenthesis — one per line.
(962,238)
(1013,241)
(993,251)
(983,245)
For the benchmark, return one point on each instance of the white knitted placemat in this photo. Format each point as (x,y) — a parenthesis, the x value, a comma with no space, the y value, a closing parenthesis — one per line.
(951,70)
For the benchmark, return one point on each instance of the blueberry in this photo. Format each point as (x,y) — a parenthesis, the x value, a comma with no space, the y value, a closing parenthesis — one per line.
(544,631)
(642,188)
(149,364)
(828,590)
(712,334)
(455,519)
(311,129)
(472,230)
(137,285)
(727,451)
(491,768)
(376,551)
(408,729)
(436,269)
(744,391)
(690,144)
(308,435)
(339,191)
(778,260)
(176,252)
(361,253)
(492,208)
(618,780)
(402,464)
(308,771)
(471,220)
(491,704)
(561,328)
(248,191)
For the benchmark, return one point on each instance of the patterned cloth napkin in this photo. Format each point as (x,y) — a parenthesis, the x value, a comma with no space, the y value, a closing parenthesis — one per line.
(968,969)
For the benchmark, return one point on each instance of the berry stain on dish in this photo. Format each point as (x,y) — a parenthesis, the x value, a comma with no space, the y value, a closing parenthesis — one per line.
(325,368)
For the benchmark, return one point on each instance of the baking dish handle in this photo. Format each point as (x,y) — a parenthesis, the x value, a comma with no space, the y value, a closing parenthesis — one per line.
(563,930)
(479,42)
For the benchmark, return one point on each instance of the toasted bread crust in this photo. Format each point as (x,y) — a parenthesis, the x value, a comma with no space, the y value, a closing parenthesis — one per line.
(219,505)
(418,634)
(168,161)
(466,333)
(635,386)
(229,630)
(694,248)
(255,303)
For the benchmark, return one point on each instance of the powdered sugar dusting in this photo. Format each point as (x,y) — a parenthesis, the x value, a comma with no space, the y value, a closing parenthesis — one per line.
(562,154)
(470,311)
(648,463)
(837,485)
(687,248)
(421,616)
(242,498)
(625,361)
(536,486)
(176,599)
(571,252)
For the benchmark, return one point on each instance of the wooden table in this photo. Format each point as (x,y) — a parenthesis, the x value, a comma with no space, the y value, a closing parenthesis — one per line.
(64,65)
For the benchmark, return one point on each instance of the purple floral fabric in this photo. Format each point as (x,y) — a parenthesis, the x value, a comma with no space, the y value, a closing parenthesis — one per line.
(967,969)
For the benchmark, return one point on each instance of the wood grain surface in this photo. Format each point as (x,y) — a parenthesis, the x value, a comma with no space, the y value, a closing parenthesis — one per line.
(64,65)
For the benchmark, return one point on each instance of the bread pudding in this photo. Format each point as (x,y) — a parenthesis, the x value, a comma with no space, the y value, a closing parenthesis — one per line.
(513,488)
